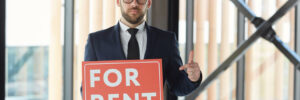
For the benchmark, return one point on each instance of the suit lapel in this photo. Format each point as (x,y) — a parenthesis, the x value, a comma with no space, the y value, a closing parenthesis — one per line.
(150,40)
(119,49)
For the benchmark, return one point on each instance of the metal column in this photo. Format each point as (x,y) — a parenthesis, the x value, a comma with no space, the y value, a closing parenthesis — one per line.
(240,85)
(297,47)
(68,51)
(189,28)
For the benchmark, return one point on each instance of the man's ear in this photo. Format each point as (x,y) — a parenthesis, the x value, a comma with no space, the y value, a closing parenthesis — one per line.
(149,3)
(118,3)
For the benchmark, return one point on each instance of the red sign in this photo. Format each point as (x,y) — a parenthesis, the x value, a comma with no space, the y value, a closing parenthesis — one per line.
(122,80)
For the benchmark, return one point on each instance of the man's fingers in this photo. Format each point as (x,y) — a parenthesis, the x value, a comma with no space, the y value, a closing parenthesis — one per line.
(183,67)
(191,56)
(186,66)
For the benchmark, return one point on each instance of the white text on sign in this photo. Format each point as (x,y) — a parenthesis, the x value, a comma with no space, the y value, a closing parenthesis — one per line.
(131,75)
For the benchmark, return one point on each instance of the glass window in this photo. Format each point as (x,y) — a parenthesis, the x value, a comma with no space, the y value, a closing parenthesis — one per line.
(214,40)
(269,74)
(33,36)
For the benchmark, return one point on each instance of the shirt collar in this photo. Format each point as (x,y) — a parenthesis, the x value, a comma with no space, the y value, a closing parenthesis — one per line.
(124,27)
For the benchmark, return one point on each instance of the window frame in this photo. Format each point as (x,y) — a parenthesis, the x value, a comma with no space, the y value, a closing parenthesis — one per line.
(297,48)
(2,48)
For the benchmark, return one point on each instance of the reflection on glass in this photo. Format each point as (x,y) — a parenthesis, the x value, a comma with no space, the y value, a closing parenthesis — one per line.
(27,73)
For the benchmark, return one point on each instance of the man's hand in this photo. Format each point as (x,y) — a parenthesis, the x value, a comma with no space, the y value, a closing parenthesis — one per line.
(192,68)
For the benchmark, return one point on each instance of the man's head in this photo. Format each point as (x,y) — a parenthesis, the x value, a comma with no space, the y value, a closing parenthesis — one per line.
(133,11)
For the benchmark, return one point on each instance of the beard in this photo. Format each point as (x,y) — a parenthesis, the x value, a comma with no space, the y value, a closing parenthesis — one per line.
(132,19)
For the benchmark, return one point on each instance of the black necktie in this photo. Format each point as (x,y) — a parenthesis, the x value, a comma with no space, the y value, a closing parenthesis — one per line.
(133,46)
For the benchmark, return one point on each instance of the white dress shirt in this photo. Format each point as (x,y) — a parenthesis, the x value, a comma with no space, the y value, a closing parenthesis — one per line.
(141,37)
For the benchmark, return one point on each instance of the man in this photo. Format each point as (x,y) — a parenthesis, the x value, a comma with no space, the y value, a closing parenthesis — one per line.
(132,38)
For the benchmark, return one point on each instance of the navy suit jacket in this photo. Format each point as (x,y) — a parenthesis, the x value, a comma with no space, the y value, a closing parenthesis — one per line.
(106,45)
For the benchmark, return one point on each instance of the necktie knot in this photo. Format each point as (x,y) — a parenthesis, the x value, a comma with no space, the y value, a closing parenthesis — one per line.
(133,31)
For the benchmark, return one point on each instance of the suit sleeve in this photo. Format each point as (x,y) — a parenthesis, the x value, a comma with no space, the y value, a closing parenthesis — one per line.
(177,80)
(90,54)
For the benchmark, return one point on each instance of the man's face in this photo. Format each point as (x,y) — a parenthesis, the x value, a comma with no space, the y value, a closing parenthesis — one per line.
(133,12)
